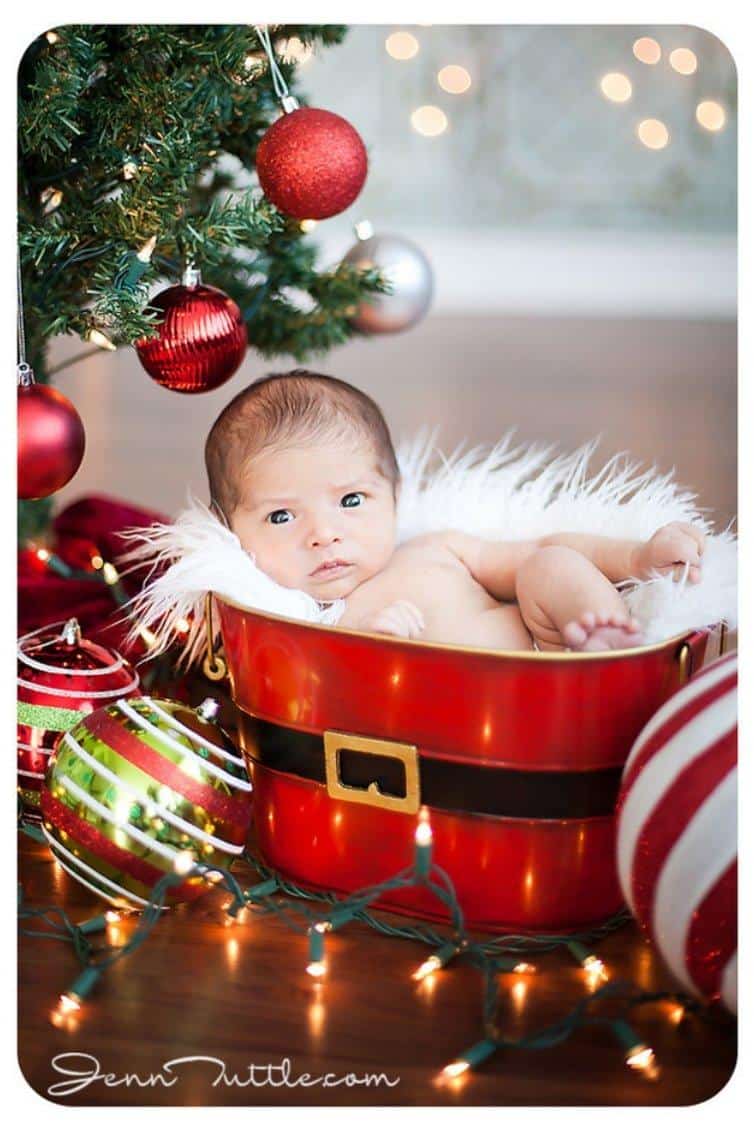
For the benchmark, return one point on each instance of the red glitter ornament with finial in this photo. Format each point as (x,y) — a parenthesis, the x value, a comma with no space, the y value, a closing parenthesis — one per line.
(311,163)
(201,340)
(61,678)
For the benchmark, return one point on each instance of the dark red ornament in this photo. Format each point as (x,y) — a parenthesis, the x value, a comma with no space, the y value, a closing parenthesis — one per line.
(60,674)
(202,339)
(51,438)
(311,164)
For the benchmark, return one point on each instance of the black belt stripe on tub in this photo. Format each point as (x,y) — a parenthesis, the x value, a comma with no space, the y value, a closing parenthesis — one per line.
(451,785)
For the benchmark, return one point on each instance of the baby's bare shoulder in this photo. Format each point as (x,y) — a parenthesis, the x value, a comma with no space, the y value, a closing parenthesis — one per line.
(440,545)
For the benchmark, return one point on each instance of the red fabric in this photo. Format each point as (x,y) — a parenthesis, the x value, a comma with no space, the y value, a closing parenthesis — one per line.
(95,522)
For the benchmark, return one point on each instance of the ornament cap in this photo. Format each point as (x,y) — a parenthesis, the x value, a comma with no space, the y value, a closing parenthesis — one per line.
(208,710)
(192,276)
(289,103)
(71,633)
(24,374)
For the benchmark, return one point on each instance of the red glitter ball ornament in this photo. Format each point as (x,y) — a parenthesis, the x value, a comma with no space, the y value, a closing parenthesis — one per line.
(51,438)
(202,338)
(311,164)
(61,676)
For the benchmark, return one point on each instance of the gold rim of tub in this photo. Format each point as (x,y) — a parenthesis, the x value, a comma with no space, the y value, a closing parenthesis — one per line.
(559,656)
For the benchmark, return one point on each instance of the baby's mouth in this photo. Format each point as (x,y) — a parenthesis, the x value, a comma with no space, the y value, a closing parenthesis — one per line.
(330,569)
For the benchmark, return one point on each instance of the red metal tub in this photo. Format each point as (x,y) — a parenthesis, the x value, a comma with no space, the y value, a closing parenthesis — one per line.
(517,755)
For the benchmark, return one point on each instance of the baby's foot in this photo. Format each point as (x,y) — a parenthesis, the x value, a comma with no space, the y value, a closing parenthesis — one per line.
(602,632)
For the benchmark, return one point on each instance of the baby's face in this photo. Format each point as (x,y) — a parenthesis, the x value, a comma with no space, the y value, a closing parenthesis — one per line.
(320,518)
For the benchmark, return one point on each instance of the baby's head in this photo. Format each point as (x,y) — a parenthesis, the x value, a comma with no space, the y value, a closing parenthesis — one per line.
(302,468)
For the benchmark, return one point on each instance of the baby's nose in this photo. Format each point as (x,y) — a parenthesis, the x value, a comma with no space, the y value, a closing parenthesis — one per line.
(324,533)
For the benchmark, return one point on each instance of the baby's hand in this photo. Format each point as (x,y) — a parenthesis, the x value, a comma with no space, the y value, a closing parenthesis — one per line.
(670,550)
(399,619)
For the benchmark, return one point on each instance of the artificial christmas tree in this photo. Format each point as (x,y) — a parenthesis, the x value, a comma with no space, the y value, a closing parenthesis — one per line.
(135,149)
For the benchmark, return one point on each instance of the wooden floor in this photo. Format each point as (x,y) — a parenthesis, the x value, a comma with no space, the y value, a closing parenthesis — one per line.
(241,995)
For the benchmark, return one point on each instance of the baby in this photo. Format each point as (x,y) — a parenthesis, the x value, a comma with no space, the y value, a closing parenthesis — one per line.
(302,468)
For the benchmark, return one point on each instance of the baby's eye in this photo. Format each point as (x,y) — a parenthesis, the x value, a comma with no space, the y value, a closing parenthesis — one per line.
(355,498)
(280,517)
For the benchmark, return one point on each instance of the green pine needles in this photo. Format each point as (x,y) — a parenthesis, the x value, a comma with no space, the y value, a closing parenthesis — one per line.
(128,133)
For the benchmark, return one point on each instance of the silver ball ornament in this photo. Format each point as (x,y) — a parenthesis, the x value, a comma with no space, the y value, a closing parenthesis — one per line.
(406,268)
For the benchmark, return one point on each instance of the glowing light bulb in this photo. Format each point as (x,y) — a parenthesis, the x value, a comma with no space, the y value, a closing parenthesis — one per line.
(429,121)
(616,87)
(112,916)
(68,1003)
(144,254)
(52,37)
(295,51)
(642,1059)
(316,968)
(423,835)
(647,50)
(43,555)
(594,968)
(524,967)
(150,639)
(110,573)
(402,45)
(431,965)
(97,561)
(454,79)
(653,133)
(710,115)
(364,230)
(182,626)
(307,225)
(183,862)
(98,338)
(50,199)
(683,60)
(453,1070)
(130,169)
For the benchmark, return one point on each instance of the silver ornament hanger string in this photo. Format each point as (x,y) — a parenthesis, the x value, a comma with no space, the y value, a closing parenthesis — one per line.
(287,100)
(24,374)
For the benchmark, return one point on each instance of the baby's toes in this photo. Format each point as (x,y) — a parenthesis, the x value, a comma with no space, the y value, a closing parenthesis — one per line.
(574,634)
(588,621)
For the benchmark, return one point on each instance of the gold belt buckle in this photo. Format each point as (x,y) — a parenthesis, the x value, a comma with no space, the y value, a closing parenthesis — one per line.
(407,754)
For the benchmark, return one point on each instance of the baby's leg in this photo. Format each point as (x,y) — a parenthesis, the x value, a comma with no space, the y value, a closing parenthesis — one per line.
(566,601)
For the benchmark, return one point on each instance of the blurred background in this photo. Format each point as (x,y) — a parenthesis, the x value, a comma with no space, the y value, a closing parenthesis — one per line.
(574,189)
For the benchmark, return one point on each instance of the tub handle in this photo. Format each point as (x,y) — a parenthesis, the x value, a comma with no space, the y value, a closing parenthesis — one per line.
(686,654)
(214,666)
(335,741)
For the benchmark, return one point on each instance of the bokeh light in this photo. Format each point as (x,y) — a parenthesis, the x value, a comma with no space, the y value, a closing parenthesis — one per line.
(401,45)
(653,133)
(647,50)
(429,121)
(711,115)
(683,60)
(616,87)
(454,79)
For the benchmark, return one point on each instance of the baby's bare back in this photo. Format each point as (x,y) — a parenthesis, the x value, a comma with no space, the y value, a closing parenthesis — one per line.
(456,609)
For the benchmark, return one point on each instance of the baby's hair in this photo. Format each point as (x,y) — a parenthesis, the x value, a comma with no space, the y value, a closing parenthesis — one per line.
(284,406)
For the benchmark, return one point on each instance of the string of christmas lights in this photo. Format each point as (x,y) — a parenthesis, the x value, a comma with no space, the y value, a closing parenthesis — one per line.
(491,958)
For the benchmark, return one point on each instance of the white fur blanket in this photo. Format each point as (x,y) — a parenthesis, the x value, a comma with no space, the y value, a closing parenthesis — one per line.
(506,492)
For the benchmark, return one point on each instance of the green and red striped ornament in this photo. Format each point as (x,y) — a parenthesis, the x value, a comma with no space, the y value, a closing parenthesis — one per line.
(61,677)
(137,789)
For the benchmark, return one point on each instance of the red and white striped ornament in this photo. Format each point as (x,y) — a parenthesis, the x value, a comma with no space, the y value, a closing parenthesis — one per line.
(61,677)
(677,843)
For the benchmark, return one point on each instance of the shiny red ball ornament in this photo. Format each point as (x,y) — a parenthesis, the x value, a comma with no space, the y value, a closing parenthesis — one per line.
(311,164)
(61,677)
(202,338)
(51,438)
